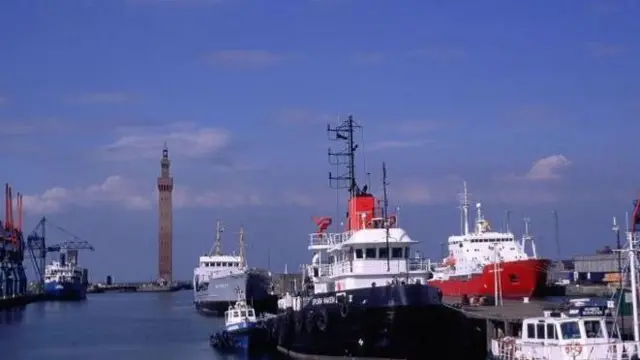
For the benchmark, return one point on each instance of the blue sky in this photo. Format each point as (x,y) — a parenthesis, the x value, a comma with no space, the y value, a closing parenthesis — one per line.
(535,105)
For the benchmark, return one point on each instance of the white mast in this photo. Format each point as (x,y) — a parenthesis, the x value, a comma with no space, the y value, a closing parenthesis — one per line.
(217,247)
(634,289)
(243,260)
(464,205)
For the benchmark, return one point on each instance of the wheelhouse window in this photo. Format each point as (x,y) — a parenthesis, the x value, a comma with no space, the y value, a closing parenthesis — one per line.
(531,331)
(551,332)
(593,329)
(540,331)
(370,253)
(396,252)
(383,253)
(612,330)
(359,254)
(570,330)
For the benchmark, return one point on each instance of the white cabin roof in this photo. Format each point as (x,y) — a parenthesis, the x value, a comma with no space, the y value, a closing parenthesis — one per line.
(378,236)
(220,258)
(484,235)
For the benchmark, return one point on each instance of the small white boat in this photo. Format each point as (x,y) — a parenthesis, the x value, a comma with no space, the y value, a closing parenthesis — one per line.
(560,336)
(241,331)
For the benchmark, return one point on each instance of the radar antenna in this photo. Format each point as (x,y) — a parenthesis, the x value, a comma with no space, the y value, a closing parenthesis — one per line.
(344,132)
(385,212)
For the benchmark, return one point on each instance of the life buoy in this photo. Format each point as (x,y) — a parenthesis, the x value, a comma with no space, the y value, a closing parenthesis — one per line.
(344,308)
(573,349)
(508,347)
(322,319)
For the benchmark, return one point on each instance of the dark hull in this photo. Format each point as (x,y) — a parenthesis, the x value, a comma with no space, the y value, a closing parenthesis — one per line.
(256,286)
(391,322)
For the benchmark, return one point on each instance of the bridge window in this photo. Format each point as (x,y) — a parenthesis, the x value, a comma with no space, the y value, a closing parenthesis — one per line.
(359,254)
(406,253)
(383,253)
(531,331)
(593,329)
(243,313)
(570,330)
(370,253)
(540,331)
(551,332)
(396,252)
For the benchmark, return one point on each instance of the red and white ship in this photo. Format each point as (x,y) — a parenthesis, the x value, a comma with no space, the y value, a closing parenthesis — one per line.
(489,263)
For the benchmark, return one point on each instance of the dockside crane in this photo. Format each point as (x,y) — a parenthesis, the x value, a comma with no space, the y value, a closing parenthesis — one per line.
(38,248)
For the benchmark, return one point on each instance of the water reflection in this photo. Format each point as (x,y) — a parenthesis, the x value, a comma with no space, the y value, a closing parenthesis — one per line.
(12,316)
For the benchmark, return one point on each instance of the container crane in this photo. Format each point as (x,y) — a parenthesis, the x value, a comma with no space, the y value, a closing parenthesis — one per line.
(38,248)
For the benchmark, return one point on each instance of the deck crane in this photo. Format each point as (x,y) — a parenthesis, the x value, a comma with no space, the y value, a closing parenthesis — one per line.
(38,248)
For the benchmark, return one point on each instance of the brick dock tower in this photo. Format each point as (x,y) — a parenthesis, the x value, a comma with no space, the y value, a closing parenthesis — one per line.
(165,223)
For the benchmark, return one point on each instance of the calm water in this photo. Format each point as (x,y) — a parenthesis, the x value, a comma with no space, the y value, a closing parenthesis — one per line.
(120,326)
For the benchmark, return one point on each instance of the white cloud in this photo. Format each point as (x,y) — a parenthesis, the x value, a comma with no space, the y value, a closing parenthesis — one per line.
(114,190)
(182,139)
(395,144)
(104,98)
(367,58)
(411,192)
(547,168)
(246,58)
(185,197)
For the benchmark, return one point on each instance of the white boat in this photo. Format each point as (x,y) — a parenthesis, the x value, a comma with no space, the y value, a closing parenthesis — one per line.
(364,295)
(565,337)
(219,277)
(486,262)
(241,329)
(585,333)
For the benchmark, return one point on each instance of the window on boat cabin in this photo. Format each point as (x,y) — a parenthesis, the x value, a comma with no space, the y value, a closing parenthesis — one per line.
(251,313)
(593,329)
(612,330)
(570,330)
(235,313)
(531,331)
(406,253)
(370,253)
(540,331)
(551,332)
(383,252)
(396,253)
(359,254)
(243,313)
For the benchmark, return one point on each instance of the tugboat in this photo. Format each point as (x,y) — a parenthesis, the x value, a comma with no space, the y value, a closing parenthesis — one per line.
(364,295)
(242,330)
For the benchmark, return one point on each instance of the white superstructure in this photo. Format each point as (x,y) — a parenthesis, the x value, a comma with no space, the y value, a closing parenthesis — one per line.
(215,264)
(471,251)
(62,273)
(375,253)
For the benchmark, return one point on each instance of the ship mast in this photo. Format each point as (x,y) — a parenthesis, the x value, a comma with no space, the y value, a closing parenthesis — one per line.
(243,260)
(347,156)
(217,247)
(464,206)
(385,212)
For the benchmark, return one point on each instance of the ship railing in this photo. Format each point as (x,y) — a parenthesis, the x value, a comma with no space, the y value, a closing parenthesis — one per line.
(419,265)
(508,348)
(328,239)
(341,267)
(325,270)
